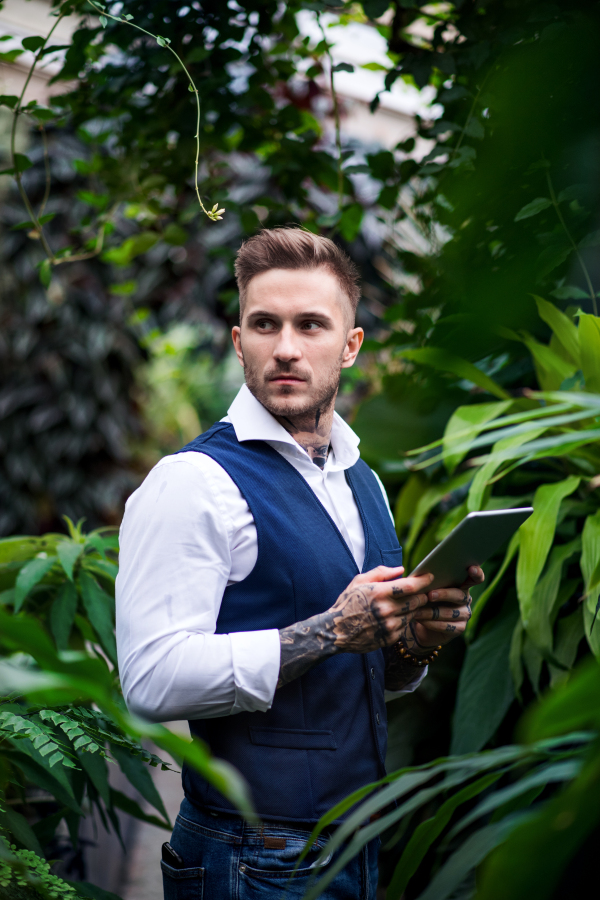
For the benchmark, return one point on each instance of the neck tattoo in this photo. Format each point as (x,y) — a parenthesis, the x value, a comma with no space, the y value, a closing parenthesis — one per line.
(311,431)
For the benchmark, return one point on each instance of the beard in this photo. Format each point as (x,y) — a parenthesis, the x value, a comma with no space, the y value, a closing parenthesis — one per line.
(320,398)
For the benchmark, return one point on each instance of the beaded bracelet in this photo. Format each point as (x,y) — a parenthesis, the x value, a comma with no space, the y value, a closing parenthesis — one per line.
(420,661)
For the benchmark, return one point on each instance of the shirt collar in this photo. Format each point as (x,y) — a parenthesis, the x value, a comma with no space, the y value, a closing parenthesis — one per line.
(252,422)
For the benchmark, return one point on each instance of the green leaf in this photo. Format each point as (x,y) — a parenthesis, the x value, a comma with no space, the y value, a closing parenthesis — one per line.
(175,234)
(485,687)
(162,41)
(565,770)
(483,476)
(68,553)
(515,660)
(19,829)
(121,801)
(532,209)
(408,497)
(62,614)
(532,860)
(464,425)
(465,859)
(10,56)
(426,833)
(569,633)
(544,606)
(483,598)
(46,272)
(430,498)
(537,534)
(551,369)
(96,769)
(448,362)
(138,775)
(103,21)
(9,100)
(30,575)
(98,606)
(590,560)
(564,329)
(566,292)
(375,8)
(92,891)
(132,247)
(350,221)
(33,43)
(589,339)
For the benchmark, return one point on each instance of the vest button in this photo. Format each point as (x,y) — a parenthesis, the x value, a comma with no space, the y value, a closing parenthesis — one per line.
(242,868)
(372,672)
(377,717)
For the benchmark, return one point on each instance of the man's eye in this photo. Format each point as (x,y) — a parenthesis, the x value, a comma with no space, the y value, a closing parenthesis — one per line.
(264,324)
(311,326)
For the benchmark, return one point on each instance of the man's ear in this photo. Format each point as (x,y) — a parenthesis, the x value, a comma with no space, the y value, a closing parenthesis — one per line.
(353,344)
(236,337)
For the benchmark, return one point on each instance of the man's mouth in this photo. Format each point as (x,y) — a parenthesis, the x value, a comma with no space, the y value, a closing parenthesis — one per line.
(286,379)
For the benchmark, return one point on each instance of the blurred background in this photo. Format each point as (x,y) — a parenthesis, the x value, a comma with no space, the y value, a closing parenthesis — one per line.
(452,149)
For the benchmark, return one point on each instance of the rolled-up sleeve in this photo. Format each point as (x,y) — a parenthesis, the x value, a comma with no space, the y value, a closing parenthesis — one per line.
(175,563)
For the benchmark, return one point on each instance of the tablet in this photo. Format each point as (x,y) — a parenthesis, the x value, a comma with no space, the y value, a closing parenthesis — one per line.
(469,544)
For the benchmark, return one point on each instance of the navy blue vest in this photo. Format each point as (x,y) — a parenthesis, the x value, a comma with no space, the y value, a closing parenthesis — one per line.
(326,732)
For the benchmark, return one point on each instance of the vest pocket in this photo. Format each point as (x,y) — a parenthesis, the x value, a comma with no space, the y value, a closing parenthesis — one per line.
(182,884)
(392,557)
(292,738)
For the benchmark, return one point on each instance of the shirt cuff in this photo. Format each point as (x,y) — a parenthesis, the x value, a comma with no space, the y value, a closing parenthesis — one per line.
(256,658)
(408,688)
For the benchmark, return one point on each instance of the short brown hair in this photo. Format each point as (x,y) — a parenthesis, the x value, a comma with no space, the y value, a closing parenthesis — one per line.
(294,248)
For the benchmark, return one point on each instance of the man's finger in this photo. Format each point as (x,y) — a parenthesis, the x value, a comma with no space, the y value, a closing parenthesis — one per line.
(475,575)
(414,584)
(434,613)
(381,573)
(449,595)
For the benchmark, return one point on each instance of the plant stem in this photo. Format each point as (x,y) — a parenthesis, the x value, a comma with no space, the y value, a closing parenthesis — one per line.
(13,135)
(47,168)
(336,115)
(192,85)
(556,206)
(469,117)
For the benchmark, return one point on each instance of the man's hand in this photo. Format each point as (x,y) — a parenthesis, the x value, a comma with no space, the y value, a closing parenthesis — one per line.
(374,611)
(378,609)
(443,618)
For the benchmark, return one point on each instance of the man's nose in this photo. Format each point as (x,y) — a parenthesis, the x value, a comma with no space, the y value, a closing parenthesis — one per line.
(287,347)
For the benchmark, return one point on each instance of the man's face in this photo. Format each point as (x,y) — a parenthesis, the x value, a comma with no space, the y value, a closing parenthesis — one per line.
(294,339)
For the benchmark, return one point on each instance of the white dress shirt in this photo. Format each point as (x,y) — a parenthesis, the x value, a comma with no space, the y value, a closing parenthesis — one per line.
(186,534)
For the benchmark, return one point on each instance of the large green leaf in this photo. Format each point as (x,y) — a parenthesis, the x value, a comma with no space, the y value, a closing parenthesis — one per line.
(551,369)
(98,605)
(68,553)
(448,362)
(62,614)
(485,687)
(30,575)
(544,606)
(430,498)
(558,772)
(412,490)
(589,340)
(483,598)
(425,834)
(533,858)
(537,534)
(18,826)
(464,425)
(139,776)
(466,858)
(563,328)
(96,768)
(569,634)
(488,470)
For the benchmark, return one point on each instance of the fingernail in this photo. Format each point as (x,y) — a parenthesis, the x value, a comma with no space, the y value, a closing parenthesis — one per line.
(433,595)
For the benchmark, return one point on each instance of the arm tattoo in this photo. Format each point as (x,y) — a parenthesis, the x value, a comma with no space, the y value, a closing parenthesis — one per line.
(305,644)
(352,625)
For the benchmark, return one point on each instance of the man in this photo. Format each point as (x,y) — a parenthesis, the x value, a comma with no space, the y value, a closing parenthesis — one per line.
(260,594)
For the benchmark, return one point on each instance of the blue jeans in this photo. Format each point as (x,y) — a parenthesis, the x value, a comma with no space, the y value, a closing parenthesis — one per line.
(227,859)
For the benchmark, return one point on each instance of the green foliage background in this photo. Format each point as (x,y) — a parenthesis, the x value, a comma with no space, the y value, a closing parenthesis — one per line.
(479,385)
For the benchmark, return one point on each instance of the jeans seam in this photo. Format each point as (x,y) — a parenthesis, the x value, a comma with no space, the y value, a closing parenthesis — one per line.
(222,836)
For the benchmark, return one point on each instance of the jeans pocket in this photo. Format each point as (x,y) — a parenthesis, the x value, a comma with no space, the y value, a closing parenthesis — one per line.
(182,884)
